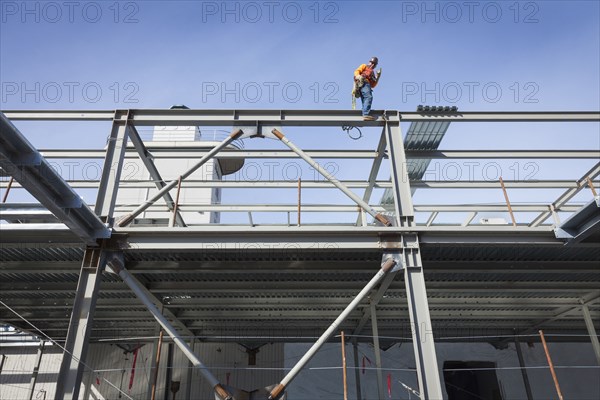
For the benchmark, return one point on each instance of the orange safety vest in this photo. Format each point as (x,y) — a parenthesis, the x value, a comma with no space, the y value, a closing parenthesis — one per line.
(368,73)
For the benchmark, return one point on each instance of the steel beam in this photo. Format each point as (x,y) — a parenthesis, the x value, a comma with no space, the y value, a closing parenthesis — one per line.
(503,154)
(343,208)
(354,184)
(581,224)
(295,117)
(562,312)
(22,161)
(182,151)
(80,325)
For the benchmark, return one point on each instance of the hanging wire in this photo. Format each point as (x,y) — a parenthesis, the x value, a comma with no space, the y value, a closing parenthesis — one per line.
(348,130)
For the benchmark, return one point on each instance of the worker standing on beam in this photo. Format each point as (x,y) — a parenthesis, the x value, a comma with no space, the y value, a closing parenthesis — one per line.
(365,80)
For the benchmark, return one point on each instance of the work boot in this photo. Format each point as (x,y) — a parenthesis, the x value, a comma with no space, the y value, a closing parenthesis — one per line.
(368,118)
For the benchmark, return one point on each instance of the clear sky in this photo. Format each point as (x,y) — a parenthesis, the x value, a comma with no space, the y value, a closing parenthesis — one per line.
(477,55)
(508,55)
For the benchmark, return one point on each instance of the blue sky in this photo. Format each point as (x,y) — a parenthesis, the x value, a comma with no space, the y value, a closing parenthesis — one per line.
(541,55)
(488,55)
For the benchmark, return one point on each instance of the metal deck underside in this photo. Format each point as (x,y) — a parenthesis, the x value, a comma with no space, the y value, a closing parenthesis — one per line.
(289,294)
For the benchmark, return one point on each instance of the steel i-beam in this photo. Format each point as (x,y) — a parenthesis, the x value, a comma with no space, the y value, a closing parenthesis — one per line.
(81,324)
(20,159)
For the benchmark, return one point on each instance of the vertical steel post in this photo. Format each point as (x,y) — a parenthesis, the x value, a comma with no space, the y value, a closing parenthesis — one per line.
(299,199)
(422,333)
(94,262)
(80,326)
(188,373)
(523,370)
(356,370)
(36,369)
(399,175)
(156,356)
(377,351)
(113,166)
(591,330)
(344,371)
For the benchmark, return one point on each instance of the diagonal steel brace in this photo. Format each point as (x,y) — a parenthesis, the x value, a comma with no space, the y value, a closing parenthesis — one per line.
(360,202)
(129,217)
(386,267)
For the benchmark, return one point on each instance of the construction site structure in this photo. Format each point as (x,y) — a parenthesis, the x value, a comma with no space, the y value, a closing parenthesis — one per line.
(244,281)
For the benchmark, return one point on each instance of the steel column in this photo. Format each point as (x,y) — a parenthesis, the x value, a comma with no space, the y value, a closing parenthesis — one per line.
(399,175)
(377,351)
(523,370)
(356,370)
(187,374)
(36,369)
(591,330)
(422,333)
(81,324)
(113,166)
(414,279)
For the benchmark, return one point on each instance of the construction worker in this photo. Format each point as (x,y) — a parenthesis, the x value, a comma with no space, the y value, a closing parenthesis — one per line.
(365,80)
